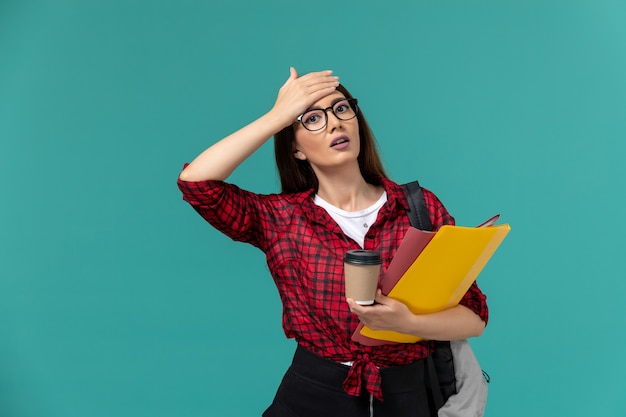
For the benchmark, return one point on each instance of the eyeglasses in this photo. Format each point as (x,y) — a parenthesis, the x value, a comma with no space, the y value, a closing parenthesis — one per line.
(316,119)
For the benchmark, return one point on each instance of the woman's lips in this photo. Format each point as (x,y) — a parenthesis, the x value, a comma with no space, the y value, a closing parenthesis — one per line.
(340,142)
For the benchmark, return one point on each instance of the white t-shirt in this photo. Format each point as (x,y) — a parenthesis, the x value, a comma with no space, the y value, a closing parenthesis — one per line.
(353,223)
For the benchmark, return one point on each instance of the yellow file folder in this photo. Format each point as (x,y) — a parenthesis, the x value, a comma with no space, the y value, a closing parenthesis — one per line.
(439,276)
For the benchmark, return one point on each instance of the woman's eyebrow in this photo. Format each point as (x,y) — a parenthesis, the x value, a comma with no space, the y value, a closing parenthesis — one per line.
(337,100)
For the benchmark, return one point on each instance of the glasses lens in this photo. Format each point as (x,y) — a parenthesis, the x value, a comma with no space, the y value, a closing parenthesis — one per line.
(314,119)
(345,109)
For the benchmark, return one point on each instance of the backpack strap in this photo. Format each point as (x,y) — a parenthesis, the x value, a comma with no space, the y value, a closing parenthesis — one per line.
(435,389)
(418,212)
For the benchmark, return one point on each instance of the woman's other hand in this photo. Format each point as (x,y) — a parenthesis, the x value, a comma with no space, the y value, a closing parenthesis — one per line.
(385,314)
(455,323)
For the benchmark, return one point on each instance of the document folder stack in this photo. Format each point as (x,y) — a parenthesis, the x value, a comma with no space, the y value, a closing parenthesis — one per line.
(432,271)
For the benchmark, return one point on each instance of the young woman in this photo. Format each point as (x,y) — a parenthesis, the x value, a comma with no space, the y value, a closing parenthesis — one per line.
(335,197)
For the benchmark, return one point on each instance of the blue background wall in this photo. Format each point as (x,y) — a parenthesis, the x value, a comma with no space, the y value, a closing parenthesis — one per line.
(116,299)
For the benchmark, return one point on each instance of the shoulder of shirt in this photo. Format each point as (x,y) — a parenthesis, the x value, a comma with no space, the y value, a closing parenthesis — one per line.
(297,197)
(397,192)
(429,195)
(393,189)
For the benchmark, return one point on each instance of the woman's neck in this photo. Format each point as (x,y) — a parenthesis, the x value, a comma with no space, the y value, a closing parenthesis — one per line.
(349,193)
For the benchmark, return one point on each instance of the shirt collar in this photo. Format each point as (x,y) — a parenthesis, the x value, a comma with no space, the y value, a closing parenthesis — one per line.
(396,203)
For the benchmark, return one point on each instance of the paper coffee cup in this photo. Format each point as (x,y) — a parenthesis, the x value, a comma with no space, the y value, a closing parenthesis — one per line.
(362,268)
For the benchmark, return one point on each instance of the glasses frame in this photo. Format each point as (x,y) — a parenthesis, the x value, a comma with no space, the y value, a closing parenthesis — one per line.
(353,102)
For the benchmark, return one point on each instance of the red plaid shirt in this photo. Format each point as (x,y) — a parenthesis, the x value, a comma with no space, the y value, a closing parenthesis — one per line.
(304,249)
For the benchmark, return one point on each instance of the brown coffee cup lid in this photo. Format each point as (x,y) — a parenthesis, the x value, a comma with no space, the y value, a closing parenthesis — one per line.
(362,257)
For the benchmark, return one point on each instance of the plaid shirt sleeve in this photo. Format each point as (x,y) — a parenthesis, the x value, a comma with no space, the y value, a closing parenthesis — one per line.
(474,299)
(237,213)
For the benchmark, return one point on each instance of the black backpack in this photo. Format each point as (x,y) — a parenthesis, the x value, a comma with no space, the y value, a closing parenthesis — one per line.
(440,377)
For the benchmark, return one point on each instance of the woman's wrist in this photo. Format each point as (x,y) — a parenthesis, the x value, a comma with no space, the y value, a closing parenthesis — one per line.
(278,119)
(412,325)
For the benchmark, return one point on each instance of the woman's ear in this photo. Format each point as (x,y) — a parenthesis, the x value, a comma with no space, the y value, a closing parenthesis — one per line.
(299,155)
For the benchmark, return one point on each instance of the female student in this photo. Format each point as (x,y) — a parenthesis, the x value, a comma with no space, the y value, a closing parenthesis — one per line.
(335,197)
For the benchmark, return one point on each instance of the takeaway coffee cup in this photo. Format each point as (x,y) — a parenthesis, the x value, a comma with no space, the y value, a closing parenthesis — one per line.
(361,273)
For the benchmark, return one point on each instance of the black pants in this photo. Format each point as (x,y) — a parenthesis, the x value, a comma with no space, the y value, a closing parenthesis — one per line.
(313,387)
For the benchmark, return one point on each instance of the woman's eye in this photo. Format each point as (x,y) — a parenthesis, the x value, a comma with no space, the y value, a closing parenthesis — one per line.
(342,107)
(312,118)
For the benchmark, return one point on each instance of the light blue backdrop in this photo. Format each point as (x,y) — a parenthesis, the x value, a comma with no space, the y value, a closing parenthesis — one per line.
(116,299)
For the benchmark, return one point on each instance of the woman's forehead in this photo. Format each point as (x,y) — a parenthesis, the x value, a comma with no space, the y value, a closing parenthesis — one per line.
(329,100)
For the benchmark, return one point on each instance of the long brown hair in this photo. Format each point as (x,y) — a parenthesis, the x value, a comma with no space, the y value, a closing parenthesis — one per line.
(297,175)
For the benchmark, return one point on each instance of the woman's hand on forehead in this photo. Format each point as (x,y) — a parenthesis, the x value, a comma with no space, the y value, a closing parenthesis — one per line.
(299,93)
